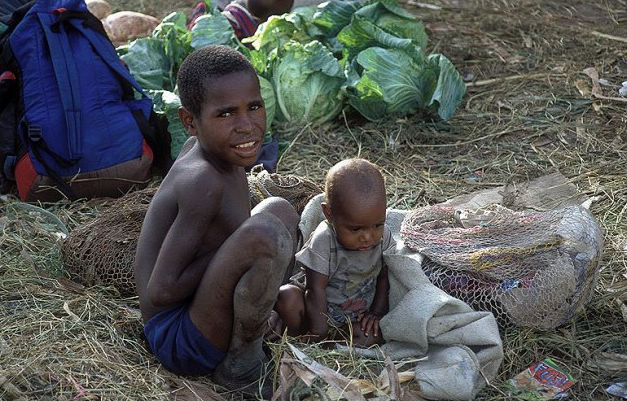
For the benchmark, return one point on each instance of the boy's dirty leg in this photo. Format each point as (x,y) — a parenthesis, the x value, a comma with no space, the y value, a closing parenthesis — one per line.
(245,367)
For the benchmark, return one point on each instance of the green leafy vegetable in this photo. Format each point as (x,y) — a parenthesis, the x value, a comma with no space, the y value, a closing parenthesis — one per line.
(307,81)
(450,89)
(334,15)
(278,30)
(391,82)
(172,31)
(168,103)
(213,29)
(148,63)
(382,24)
(312,62)
(269,100)
(382,82)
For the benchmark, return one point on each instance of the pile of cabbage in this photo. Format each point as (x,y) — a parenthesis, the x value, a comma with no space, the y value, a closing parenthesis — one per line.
(313,62)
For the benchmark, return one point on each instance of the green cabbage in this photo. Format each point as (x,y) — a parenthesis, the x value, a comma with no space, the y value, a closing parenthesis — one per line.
(278,30)
(382,24)
(450,88)
(334,15)
(382,82)
(148,63)
(307,80)
(172,31)
(213,29)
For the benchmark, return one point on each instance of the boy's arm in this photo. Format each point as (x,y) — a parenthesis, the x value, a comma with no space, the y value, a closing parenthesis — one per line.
(316,304)
(178,269)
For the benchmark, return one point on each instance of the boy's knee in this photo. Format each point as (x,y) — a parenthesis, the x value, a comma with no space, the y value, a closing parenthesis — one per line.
(265,236)
(280,208)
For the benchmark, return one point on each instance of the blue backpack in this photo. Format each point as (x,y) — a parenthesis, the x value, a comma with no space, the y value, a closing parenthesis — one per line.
(73,121)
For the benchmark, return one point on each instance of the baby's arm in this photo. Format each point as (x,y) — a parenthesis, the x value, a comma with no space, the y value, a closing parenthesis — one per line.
(316,304)
(369,322)
(178,270)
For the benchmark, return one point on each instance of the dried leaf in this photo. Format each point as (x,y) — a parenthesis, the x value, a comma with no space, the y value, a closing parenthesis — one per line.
(611,361)
(396,392)
(596,88)
(334,379)
(582,87)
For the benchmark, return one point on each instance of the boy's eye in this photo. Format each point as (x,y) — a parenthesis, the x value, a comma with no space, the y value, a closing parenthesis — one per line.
(256,106)
(225,114)
(355,229)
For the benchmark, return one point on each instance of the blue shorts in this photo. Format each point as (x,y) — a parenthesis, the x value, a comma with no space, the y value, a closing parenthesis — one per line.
(179,345)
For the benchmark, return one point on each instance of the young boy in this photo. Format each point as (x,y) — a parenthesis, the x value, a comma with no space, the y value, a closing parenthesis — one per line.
(208,269)
(346,279)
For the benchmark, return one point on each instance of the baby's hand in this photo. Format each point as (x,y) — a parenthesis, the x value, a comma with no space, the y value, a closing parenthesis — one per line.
(369,322)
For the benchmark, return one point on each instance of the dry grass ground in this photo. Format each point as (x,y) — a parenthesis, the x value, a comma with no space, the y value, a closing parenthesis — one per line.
(529,110)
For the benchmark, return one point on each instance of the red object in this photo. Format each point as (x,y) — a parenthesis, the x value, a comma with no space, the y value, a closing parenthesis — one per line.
(25,176)
(147,150)
(6,75)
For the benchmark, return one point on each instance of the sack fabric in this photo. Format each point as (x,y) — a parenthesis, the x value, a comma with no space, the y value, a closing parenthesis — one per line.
(462,346)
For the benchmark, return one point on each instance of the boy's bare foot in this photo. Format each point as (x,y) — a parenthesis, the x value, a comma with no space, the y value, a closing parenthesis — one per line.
(249,374)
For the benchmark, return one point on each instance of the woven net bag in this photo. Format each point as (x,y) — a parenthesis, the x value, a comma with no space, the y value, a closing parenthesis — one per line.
(102,251)
(531,269)
(296,190)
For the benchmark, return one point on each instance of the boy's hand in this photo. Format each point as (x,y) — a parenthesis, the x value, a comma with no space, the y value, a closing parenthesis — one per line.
(369,322)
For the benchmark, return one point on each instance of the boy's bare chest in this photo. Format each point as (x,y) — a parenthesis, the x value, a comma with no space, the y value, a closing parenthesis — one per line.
(234,210)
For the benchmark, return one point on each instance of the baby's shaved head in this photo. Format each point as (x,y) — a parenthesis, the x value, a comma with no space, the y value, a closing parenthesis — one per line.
(352,178)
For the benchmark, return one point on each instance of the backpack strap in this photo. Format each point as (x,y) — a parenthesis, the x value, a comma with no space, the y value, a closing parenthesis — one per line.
(103,46)
(153,129)
(33,135)
(64,70)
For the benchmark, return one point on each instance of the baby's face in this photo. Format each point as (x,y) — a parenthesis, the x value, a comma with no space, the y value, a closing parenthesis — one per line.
(359,221)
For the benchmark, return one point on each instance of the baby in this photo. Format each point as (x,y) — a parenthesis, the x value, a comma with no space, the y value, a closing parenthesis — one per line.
(346,278)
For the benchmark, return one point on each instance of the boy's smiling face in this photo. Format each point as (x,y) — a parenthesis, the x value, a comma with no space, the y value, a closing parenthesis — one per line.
(232,121)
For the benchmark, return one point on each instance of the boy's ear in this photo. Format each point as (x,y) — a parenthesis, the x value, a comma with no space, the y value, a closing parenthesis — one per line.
(187,118)
(326,209)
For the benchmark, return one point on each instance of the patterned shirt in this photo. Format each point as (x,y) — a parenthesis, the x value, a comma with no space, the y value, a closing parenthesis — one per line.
(352,274)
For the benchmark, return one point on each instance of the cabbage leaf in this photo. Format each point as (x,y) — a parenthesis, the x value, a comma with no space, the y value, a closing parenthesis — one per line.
(382,24)
(388,81)
(278,30)
(269,100)
(213,29)
(382,82)
(450,88)
(334,15)
(148,63)
(168,103)
(307,80)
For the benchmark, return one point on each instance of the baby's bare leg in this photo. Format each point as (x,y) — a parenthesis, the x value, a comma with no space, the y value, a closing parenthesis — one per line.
(290,307)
